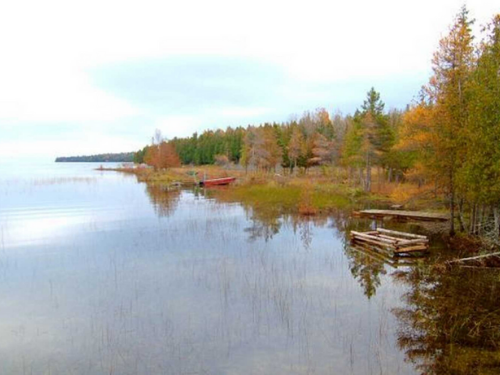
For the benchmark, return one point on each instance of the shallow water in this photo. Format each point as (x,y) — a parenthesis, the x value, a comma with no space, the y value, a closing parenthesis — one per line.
(100,274)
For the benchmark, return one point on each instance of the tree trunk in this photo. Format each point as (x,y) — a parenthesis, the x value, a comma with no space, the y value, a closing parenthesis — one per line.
(379,177)
(461,215)
(472,221)
(480,220)
(452,205)
(368,182)
(496,215)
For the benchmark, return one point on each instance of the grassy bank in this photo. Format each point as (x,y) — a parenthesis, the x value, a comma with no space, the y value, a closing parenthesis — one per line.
(297,196)
(318,191)
(185,175)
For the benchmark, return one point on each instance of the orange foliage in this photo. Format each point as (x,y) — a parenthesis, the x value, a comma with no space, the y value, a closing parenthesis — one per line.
(416,132)
(162,156)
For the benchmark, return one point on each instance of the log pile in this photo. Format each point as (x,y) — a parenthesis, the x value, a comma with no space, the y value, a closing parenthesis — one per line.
(397,243)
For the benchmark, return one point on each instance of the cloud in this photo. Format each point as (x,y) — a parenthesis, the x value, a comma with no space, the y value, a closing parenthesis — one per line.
(87,143)
(224,90)
(54,93)
(119,69)
(191,83)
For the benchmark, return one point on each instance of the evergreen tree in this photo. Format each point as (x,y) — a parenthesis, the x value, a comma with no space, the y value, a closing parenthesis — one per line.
(452,66)
(481,168)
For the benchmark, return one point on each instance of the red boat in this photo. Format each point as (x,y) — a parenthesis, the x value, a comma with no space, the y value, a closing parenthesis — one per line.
(218,181)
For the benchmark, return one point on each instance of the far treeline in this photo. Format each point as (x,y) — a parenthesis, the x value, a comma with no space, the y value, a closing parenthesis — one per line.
(125,157)
(448,138)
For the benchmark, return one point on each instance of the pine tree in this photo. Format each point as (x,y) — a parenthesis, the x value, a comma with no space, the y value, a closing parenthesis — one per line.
(481,169)
(452,66)
(377,137)
(295,147)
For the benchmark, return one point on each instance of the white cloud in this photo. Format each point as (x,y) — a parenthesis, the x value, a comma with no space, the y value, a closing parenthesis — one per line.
(56,94)
(177,125)
(81,144)
(239,112)
(49,47)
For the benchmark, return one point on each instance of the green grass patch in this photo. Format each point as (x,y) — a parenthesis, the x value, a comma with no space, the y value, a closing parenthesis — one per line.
(324,201)
(292,198)
(271,196)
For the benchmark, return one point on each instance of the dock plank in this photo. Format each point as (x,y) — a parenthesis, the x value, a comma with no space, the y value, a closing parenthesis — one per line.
(413,215)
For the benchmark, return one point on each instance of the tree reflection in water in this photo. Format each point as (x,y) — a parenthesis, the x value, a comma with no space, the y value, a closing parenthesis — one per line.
(164,200)
(449,320)
(366,269)
(264,225)
(450,323)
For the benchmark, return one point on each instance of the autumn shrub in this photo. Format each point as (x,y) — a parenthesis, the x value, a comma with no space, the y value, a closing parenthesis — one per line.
(305,206)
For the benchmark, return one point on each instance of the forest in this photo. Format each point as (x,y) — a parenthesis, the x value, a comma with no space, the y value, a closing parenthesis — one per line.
(448,138)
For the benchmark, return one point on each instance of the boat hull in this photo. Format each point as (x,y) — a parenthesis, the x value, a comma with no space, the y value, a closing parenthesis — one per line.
(217,181)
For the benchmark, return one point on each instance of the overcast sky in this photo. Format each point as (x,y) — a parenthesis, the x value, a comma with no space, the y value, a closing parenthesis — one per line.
(99,76)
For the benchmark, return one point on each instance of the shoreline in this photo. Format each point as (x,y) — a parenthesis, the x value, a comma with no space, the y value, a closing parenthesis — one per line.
(309,195)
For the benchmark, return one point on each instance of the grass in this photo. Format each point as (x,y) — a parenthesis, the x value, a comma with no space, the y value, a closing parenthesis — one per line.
(181,175)
(260,195)
(297,196)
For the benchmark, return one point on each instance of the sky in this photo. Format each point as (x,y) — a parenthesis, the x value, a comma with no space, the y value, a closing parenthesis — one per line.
(87,77)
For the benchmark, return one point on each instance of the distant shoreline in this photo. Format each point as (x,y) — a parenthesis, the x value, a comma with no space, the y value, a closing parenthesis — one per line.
(123,157)
(92,161)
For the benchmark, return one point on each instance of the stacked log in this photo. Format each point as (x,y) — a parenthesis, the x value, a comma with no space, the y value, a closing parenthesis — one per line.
(395,242)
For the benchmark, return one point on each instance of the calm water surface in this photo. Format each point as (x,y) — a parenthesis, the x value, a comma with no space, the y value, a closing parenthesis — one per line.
(100,274)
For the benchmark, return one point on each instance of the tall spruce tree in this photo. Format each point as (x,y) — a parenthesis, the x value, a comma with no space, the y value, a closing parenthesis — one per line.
(452,65)
(481,169)
(378,138)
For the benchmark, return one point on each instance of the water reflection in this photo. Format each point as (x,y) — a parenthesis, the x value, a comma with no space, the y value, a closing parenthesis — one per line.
(450,321)
(266,222)
(365,268)
(148,280)
(164,199)
(263,224)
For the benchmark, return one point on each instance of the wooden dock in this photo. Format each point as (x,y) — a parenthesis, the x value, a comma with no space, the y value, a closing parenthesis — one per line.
(396,243)
(402,215)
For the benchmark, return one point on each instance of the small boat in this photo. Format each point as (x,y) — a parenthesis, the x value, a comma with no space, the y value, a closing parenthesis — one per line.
(218,181)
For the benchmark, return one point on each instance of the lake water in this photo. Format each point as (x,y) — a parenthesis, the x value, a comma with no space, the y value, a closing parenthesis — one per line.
(100,274)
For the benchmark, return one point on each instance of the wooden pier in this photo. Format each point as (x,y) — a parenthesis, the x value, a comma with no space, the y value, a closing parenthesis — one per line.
(396,243)
(402,215)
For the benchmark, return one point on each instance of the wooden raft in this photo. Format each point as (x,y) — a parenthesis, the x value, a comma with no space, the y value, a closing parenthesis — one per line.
(394,241)
(404,215)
